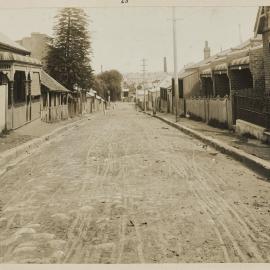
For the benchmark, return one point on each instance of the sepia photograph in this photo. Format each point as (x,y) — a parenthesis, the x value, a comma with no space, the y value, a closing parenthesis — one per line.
(134,132)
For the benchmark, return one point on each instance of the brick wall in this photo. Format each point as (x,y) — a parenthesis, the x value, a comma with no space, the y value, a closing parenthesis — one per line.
(266,55)
(256,63)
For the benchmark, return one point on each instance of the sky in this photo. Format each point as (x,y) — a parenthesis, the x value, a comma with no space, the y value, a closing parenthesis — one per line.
(121,37)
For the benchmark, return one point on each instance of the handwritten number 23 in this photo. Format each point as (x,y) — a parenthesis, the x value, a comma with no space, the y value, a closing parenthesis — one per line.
(124,1)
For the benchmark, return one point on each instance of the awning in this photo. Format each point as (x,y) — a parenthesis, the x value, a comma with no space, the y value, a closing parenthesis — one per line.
(166,83)
(220,69)
(186,74)
(206,72)
(239,63)
(13,57)
(51,83)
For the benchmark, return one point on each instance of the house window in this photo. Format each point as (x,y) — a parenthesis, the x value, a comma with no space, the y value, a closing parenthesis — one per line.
(19,91)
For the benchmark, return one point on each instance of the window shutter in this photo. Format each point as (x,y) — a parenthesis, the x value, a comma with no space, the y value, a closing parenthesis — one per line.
(35,85)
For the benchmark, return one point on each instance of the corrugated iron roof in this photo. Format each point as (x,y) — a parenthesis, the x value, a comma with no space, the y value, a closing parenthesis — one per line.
(166,83)
(14,57)
(186,74)
(241,49)
(6,41)
(51,83)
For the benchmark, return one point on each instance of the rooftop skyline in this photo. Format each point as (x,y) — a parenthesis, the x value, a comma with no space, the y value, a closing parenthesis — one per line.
(121,37)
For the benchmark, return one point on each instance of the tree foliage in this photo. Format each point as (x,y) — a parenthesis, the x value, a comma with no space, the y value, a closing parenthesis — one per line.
(68,59)
(109,81)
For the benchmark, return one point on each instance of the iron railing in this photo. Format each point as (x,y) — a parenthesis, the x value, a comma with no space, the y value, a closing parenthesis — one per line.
(253,109)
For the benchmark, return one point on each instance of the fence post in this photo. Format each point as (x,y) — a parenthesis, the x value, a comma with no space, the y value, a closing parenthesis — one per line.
(227,117)
(234,107)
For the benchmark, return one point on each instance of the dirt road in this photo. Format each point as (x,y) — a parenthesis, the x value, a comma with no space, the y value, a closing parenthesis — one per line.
(126,188)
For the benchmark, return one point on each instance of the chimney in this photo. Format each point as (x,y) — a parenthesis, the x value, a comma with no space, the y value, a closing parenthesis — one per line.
(165,64)
(206,51)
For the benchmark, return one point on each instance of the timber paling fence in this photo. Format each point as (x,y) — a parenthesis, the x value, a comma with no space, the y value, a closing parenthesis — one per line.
(215,110)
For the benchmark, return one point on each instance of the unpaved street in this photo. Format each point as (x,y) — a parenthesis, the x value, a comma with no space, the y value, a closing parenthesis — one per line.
(126,188)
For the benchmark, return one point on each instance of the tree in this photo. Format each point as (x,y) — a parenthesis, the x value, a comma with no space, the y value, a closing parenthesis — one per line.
(100,86)
(111,81)
(68,59)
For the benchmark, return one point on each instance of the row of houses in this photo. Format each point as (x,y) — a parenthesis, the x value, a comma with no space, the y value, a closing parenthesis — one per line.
(229,89)
(28,93)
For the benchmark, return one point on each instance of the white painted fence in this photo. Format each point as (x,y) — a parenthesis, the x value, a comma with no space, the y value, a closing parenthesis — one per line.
(3,100)
(211,110)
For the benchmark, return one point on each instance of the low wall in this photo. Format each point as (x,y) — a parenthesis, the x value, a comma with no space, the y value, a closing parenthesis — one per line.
(215,111)
(244,128)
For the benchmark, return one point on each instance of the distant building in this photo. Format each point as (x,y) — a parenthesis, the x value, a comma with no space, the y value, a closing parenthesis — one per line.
(125,94)
(38,45)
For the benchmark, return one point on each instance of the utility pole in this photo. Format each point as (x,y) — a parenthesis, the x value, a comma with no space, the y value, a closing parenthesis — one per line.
(176,91)
(240,34)
(165,64)
(143,71)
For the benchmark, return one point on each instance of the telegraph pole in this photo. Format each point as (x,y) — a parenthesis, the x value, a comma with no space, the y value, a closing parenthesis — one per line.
(240,34)
(143,71)
(176,91)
